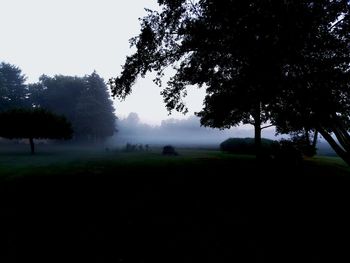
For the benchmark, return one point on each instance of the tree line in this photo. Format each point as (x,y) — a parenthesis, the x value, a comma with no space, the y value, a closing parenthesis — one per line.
(282,63)
(84,101)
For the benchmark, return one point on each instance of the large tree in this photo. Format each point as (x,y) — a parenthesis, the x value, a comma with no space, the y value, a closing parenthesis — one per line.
(228,47)
(33,124)
(283,61)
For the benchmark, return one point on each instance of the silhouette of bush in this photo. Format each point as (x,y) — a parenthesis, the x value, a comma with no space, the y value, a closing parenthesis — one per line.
(245,146)
(287,152)
(306,148)
(169,150)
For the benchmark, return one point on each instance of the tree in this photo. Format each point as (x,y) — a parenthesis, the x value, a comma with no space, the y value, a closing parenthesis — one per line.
(316,93)
(94,112)
(229,47)
(59,94)
(33,124)
(13,90)
(282,61)
(85,102)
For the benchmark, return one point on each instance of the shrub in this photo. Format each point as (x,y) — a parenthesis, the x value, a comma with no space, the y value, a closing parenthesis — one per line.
(287,152)
(306,148)
(245,146)
(169,150)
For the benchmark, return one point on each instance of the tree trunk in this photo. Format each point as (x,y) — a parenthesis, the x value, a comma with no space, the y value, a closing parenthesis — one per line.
(31,142)
(307,137)
(339,150)
(257,132)
(314,142)
(257,140)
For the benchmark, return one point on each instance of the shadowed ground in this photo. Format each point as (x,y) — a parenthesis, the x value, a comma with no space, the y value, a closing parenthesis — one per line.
(202,206)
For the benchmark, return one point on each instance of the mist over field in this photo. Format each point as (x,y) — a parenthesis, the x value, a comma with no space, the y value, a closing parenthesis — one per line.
(186,132)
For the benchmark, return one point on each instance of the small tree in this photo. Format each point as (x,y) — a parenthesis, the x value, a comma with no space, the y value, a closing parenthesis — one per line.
(34,124)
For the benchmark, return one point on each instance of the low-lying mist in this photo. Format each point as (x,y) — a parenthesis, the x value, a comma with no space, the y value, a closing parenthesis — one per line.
(186,132)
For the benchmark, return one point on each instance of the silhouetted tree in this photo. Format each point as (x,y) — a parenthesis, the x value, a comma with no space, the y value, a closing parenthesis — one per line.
(33,124)
(227,46)
(259,60)
(316,88)
(13,91)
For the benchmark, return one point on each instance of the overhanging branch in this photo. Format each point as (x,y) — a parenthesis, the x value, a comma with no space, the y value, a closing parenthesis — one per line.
(268,126)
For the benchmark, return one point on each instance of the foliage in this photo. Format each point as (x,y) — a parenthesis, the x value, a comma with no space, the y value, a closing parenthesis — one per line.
(34,124)
(304,145)
(84,101)
(94,112)
(287,152)
(245,145)
(13,91)
(58,94)
(211,44)
(315,95)
(283,61)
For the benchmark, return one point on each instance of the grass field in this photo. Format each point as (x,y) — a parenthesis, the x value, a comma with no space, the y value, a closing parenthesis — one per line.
(92,205)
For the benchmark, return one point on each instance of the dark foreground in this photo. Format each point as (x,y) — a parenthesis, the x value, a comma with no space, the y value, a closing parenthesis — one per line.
(205,210)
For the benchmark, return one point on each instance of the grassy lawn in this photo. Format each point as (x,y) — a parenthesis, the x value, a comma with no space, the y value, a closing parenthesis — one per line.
(93,205)
(77,160)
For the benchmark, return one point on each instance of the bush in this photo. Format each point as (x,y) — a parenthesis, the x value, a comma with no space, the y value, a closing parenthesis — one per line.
(305,148)
(287,152)
(245,146)
(169,150)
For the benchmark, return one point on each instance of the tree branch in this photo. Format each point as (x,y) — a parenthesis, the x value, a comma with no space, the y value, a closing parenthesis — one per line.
(336,23)
(194,8)
(265,127)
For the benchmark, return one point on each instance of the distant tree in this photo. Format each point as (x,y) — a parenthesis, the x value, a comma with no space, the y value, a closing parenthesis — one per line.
(85,102)
(33,124)
(13,90)
(94,112)
(59,94)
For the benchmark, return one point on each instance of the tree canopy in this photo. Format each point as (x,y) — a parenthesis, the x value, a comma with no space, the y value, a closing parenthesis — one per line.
(34,124)
(228,47)
(286,62)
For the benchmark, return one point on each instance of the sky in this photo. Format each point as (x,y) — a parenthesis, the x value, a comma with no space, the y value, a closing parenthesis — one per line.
(76,37)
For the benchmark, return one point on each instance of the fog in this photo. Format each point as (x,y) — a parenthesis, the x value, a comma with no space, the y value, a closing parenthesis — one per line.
(185,132)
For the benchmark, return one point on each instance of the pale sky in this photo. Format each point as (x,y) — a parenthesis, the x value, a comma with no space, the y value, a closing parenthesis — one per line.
(75,37)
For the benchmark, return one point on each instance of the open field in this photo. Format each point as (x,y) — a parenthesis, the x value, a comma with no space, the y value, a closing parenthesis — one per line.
(88,205)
